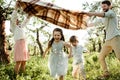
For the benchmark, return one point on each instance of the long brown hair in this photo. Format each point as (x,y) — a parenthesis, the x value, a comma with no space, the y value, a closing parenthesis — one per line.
(52,40)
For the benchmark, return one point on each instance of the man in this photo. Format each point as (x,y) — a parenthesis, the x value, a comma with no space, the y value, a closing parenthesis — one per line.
(112,41)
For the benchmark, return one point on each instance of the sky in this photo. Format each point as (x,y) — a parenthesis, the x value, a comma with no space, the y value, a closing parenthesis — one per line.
(68,4)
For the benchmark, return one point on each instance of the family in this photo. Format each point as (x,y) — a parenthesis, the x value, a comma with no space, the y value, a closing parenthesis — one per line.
(58,59)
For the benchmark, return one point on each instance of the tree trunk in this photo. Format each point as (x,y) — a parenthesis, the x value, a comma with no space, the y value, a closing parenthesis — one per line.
(99,47)
(4,56)
(94,46)
(35,51)
(39,44)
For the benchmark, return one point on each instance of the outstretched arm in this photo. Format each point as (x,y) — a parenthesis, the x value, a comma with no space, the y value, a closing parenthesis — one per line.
(95,14)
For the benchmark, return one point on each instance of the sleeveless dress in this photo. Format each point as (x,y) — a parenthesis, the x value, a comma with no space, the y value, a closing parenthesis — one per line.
(58,60)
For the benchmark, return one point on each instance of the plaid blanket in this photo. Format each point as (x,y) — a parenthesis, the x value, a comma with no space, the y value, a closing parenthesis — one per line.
(54,14)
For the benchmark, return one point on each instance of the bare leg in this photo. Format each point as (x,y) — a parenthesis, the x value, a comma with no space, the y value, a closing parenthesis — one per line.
(23,64)
(75,71)
(75,75)
(61,78)
(82,71)
(17,67)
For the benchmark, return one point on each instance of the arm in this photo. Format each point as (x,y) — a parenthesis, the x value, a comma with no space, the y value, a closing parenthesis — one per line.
(95,14)
(70,48)
(14,18)
(109,13)
(26,21)
(46,51)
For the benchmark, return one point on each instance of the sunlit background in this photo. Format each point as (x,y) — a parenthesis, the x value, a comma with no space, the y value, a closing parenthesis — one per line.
(75,5)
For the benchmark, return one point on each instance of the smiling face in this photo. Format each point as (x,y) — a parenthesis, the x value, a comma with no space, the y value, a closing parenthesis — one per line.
(105,7)
(74,43)
(57,36)
(74,40)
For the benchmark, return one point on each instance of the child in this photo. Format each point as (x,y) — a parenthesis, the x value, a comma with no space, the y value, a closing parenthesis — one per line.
(78,61)
(20,48)
(58,60)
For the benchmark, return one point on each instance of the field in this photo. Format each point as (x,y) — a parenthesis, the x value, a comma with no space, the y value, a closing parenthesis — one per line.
(37,69)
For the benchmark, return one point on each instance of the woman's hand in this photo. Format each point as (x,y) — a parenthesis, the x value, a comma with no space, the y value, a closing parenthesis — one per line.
(17,5)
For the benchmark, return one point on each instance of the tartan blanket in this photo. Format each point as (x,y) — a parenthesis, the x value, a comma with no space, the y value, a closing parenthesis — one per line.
(54,14)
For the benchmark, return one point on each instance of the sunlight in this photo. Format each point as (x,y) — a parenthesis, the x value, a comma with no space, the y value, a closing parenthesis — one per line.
(72,5)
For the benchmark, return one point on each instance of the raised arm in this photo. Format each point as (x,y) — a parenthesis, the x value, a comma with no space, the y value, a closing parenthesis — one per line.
(14,18)
(23,24)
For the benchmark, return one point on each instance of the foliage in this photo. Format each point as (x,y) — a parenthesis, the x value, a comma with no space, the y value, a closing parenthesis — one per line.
(37,69)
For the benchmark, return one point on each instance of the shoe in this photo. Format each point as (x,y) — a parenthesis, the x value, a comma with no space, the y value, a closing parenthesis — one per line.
(104,76)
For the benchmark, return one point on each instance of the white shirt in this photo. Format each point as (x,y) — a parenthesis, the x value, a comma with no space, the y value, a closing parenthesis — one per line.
(111,24)
(17,30)
(77,52)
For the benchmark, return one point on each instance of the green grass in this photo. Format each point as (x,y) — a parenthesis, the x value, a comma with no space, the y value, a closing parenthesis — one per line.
(37,69)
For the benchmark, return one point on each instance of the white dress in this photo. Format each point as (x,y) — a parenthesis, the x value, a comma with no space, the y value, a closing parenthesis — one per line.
(58,60)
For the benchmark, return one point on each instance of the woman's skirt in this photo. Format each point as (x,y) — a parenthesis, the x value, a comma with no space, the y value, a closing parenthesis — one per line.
(20,50)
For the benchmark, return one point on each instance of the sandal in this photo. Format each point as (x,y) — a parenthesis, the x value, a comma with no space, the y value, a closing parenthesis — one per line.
(105,75)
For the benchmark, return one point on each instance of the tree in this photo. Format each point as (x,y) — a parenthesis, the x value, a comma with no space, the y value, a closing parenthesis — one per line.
(36,31)
(4,56)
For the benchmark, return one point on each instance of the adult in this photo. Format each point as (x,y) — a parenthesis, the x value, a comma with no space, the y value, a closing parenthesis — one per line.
(109,19)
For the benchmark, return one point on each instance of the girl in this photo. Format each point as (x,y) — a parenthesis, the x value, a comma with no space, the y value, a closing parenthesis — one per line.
(20,48)
(58,60)
(78,61)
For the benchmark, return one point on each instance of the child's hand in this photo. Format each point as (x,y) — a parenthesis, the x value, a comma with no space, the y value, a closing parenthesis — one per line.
(69,56)
(43,55)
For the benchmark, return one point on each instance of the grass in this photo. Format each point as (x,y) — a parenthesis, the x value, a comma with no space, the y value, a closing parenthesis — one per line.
(37,69)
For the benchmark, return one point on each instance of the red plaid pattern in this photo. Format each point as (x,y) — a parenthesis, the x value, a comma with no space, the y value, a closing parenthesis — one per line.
(56,15)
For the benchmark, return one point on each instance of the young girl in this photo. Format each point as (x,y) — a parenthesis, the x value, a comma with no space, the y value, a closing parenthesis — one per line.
(58,60)
(20,48)
(78,61)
